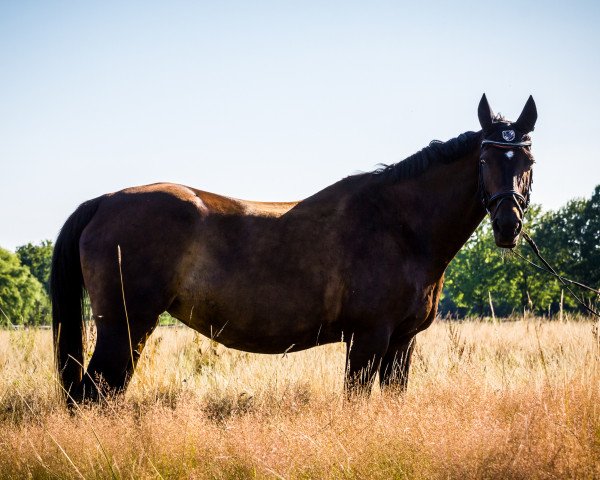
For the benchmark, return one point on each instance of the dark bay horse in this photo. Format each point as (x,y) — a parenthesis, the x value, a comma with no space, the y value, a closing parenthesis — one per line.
(361,261)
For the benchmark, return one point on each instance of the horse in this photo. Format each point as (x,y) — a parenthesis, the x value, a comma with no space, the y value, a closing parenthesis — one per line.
(361,261)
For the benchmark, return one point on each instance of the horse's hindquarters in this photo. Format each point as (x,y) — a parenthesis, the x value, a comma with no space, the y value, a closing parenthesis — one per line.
(133,257)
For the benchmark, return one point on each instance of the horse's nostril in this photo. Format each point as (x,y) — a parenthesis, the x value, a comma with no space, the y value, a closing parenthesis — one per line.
(518,227)
(507,226)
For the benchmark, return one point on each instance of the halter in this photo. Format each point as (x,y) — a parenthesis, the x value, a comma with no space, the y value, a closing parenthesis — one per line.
(520,201)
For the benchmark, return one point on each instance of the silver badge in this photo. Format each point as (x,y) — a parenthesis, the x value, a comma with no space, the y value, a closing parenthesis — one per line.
(508,135)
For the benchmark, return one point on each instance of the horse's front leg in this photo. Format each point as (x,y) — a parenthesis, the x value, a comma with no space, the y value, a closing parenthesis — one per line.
(364,352)
(395,365)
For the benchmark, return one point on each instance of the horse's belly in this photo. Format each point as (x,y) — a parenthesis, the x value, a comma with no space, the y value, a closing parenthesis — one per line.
(255,327)
(250,337)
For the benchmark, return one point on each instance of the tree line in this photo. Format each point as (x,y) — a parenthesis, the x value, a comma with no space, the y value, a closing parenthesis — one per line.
(25,284)
(482,280)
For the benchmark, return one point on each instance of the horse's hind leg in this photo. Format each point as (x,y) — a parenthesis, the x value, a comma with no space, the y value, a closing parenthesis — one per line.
(115,356)
(126,305)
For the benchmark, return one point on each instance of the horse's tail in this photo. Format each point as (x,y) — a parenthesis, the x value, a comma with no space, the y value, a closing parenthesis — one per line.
(67,292)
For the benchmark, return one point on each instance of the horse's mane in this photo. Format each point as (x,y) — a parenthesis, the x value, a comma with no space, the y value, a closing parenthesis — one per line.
(436,152)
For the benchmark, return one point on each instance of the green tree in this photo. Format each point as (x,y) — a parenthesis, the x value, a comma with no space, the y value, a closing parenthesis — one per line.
(590,233)
(39,260)
(570,238)
(466,286)
(22,297)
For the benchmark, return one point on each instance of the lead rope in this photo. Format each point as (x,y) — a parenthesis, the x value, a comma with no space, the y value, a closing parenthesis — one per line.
(565,281)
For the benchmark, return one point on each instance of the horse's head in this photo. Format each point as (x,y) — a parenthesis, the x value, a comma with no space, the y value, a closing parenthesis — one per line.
(505,173)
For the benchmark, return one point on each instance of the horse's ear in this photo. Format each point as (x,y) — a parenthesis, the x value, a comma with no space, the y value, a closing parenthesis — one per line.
(484,111)
(526,121)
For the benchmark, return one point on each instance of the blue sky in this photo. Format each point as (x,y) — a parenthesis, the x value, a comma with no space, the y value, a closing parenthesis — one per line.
(276,100)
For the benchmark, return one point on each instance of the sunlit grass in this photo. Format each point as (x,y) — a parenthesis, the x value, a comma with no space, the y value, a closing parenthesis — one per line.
(517,399)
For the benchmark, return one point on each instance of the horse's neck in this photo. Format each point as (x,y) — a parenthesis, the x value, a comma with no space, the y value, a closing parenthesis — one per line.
(442,207)
(431,215)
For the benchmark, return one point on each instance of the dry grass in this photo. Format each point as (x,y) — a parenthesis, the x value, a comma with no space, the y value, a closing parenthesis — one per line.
(486,400)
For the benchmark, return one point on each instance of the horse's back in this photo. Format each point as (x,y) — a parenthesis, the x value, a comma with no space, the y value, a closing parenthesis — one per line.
(151,210)
(163,232)
(206,203)
(222,205)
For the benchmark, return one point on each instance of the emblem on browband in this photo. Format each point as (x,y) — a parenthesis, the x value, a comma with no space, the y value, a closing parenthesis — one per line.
(508,135)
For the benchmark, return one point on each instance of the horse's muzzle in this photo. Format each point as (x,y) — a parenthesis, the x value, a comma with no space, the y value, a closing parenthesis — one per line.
(506,229)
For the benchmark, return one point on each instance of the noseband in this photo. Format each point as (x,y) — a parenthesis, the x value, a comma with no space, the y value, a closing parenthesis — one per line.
(520,201)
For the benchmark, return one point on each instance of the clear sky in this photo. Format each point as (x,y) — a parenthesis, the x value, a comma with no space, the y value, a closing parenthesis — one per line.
(276,100)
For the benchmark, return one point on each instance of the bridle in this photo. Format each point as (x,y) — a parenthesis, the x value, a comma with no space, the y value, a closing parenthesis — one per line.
(520,201)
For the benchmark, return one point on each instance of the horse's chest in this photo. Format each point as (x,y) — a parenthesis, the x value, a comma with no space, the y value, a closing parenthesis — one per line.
(402,292)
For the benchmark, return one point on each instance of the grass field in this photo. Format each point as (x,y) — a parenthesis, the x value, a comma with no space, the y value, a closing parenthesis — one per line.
(516,399)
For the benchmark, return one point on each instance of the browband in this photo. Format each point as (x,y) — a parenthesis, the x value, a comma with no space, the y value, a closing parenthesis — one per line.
(505,144)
